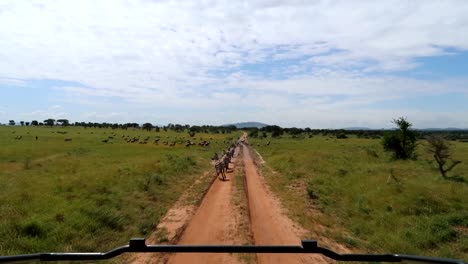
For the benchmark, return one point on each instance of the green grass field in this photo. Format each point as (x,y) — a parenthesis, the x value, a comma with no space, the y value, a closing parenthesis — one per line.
(87,195)
(367,201)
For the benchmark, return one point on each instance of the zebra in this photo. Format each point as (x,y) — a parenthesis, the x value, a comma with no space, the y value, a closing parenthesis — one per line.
(220,169)
(226,160)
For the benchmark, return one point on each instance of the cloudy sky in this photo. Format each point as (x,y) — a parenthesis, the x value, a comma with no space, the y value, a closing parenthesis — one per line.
(321,64)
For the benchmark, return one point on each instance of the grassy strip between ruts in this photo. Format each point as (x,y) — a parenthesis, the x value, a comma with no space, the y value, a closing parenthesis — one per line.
(351,191)
(88,195)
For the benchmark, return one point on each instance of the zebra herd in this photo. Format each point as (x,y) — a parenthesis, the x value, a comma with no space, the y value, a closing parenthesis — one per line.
(222,164)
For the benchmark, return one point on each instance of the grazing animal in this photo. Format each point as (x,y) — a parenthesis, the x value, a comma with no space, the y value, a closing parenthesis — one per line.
(68,139)
(268,143)
(226,160)
(36,137)
(105,140)
(219,167)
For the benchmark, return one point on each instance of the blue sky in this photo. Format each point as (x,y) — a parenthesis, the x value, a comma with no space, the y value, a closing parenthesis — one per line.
(320,64)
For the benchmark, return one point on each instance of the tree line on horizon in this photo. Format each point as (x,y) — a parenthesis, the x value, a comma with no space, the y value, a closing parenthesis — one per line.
(145,126)
(273,131)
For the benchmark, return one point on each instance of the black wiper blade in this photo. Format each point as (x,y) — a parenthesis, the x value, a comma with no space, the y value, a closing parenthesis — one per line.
(138,245)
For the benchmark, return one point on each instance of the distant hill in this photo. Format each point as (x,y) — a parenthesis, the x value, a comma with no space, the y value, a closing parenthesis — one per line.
(248,124)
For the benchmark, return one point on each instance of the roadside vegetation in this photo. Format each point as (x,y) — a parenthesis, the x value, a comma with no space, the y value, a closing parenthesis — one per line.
(349,189)
(96,190)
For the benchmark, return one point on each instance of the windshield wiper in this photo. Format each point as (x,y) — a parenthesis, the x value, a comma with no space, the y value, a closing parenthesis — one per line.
(138,245)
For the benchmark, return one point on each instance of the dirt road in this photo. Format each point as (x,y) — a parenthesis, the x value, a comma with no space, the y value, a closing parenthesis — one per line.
(269,226)
(214,222)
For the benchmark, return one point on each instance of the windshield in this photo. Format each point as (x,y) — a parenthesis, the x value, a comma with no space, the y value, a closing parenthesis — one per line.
(234,123)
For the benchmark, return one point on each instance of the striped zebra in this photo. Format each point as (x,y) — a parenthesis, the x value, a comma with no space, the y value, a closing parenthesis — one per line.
(220,169)
(226,160)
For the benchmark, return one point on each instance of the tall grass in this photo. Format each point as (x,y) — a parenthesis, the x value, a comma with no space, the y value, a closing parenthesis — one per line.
(87,195)
(367,200)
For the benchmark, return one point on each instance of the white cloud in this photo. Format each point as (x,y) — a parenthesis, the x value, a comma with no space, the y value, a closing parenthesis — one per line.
(11,82)
(166,53)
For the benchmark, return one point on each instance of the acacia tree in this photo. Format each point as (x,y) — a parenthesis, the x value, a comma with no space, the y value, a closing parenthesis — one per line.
(440,150)
(12,122)
(147,126)
(49,122)
(402,142)
(63,122)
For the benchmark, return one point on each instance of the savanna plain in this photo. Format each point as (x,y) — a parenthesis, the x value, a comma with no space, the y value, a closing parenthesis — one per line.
(95,191)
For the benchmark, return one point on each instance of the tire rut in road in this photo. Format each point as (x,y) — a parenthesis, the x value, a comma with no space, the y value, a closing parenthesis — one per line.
(268,224)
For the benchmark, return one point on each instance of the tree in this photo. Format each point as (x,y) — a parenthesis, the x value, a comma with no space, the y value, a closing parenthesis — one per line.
(22,123)
(63,122)
(12,122)
(254,133)
(402,142)
(275,131)
(34,123)
(440,150)
(49,122)
(147,126)
(27,123)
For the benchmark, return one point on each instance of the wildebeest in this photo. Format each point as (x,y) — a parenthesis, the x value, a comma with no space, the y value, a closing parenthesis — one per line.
(105,140)
(68,139)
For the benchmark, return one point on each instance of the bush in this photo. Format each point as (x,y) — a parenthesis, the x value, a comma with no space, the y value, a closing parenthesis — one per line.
(402,142)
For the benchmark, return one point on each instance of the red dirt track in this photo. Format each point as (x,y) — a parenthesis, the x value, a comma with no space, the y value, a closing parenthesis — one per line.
(269,226)
(214,222)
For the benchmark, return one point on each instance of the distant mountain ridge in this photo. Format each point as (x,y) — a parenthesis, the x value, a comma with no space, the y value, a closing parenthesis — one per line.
(248,124)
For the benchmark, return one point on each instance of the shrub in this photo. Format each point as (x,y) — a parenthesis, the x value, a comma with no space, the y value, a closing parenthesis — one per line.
(402,142)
